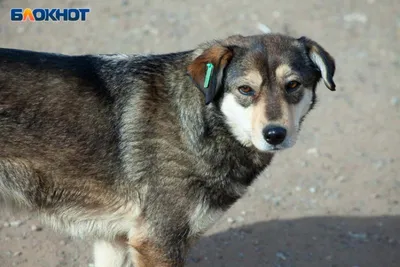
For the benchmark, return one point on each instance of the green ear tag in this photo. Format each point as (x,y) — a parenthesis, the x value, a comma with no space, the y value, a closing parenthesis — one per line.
(210,68)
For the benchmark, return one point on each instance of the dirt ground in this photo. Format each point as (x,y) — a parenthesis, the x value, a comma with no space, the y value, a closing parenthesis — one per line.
(332,200)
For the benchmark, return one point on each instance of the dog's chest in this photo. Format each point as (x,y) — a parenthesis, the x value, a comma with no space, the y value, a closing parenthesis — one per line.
(215,200)
(203,217)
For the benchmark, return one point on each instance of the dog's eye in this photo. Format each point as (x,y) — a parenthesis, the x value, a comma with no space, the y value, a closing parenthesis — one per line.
(292,86)
(246,90)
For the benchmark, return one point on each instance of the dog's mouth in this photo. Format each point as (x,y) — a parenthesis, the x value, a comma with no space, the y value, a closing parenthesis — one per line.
(271,149)
(276,148)
(268,148)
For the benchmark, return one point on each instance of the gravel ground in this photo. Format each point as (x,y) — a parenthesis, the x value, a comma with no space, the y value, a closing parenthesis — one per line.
(332,200)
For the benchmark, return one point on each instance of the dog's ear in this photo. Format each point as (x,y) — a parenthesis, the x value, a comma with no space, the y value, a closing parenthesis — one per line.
(217,55)
(323,61)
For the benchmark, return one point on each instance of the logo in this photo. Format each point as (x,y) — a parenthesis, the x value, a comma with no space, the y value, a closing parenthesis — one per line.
(49,14)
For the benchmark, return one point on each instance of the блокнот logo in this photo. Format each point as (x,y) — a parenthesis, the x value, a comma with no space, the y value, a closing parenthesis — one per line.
(49,14)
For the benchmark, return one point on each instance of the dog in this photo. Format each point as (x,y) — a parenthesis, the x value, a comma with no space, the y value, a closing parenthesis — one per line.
(143,153)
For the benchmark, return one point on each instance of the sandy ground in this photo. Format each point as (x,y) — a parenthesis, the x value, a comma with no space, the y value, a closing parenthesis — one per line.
(332,200)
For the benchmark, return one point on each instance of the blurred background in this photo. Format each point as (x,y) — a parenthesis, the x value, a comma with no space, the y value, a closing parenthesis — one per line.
(332,200)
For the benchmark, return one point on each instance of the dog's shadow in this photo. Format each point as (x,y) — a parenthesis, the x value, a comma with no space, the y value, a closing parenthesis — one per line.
(311,242)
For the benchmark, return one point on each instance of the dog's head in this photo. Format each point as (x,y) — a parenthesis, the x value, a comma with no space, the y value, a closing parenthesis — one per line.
(264,85)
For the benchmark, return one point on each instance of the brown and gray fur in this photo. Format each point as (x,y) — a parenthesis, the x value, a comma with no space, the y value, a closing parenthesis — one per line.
(133,152)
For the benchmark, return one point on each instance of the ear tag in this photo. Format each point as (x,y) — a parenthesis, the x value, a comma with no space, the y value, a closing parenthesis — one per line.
(210,68)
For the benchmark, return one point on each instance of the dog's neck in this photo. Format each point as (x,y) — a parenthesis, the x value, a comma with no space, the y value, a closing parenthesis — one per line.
(231,167)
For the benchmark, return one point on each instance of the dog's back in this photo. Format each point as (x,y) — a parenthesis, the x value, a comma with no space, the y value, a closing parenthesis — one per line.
(57,127)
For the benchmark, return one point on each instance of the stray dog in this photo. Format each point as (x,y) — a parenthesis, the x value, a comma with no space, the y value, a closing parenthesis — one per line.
(143,153)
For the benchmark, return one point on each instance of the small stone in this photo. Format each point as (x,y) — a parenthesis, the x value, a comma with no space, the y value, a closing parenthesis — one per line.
(113,19)
(277,200)
(303,164)
(379,165)
(361,54)
(150,29)
(268,197)
(276,14)
(239,219)
(16,223)
(358,236)
(281,255)
(6,224)
(36,228)
(394,101)
(16,254)
(313,151)
(328,258)
(341,179)
(312,190)
(263,28)
(230,220)
(298,188)
(376,195)
(356,17)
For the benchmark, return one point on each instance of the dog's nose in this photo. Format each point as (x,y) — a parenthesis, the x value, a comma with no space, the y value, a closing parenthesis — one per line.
(274,135)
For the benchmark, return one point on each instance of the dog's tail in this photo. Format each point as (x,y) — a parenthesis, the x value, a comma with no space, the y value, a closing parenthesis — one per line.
(19,182)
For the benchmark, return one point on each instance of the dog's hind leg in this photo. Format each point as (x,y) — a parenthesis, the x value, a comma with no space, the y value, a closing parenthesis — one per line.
(20,183)
(111,254)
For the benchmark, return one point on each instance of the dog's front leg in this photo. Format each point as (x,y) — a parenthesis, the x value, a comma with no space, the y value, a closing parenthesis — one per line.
(148,253)
(111,254)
